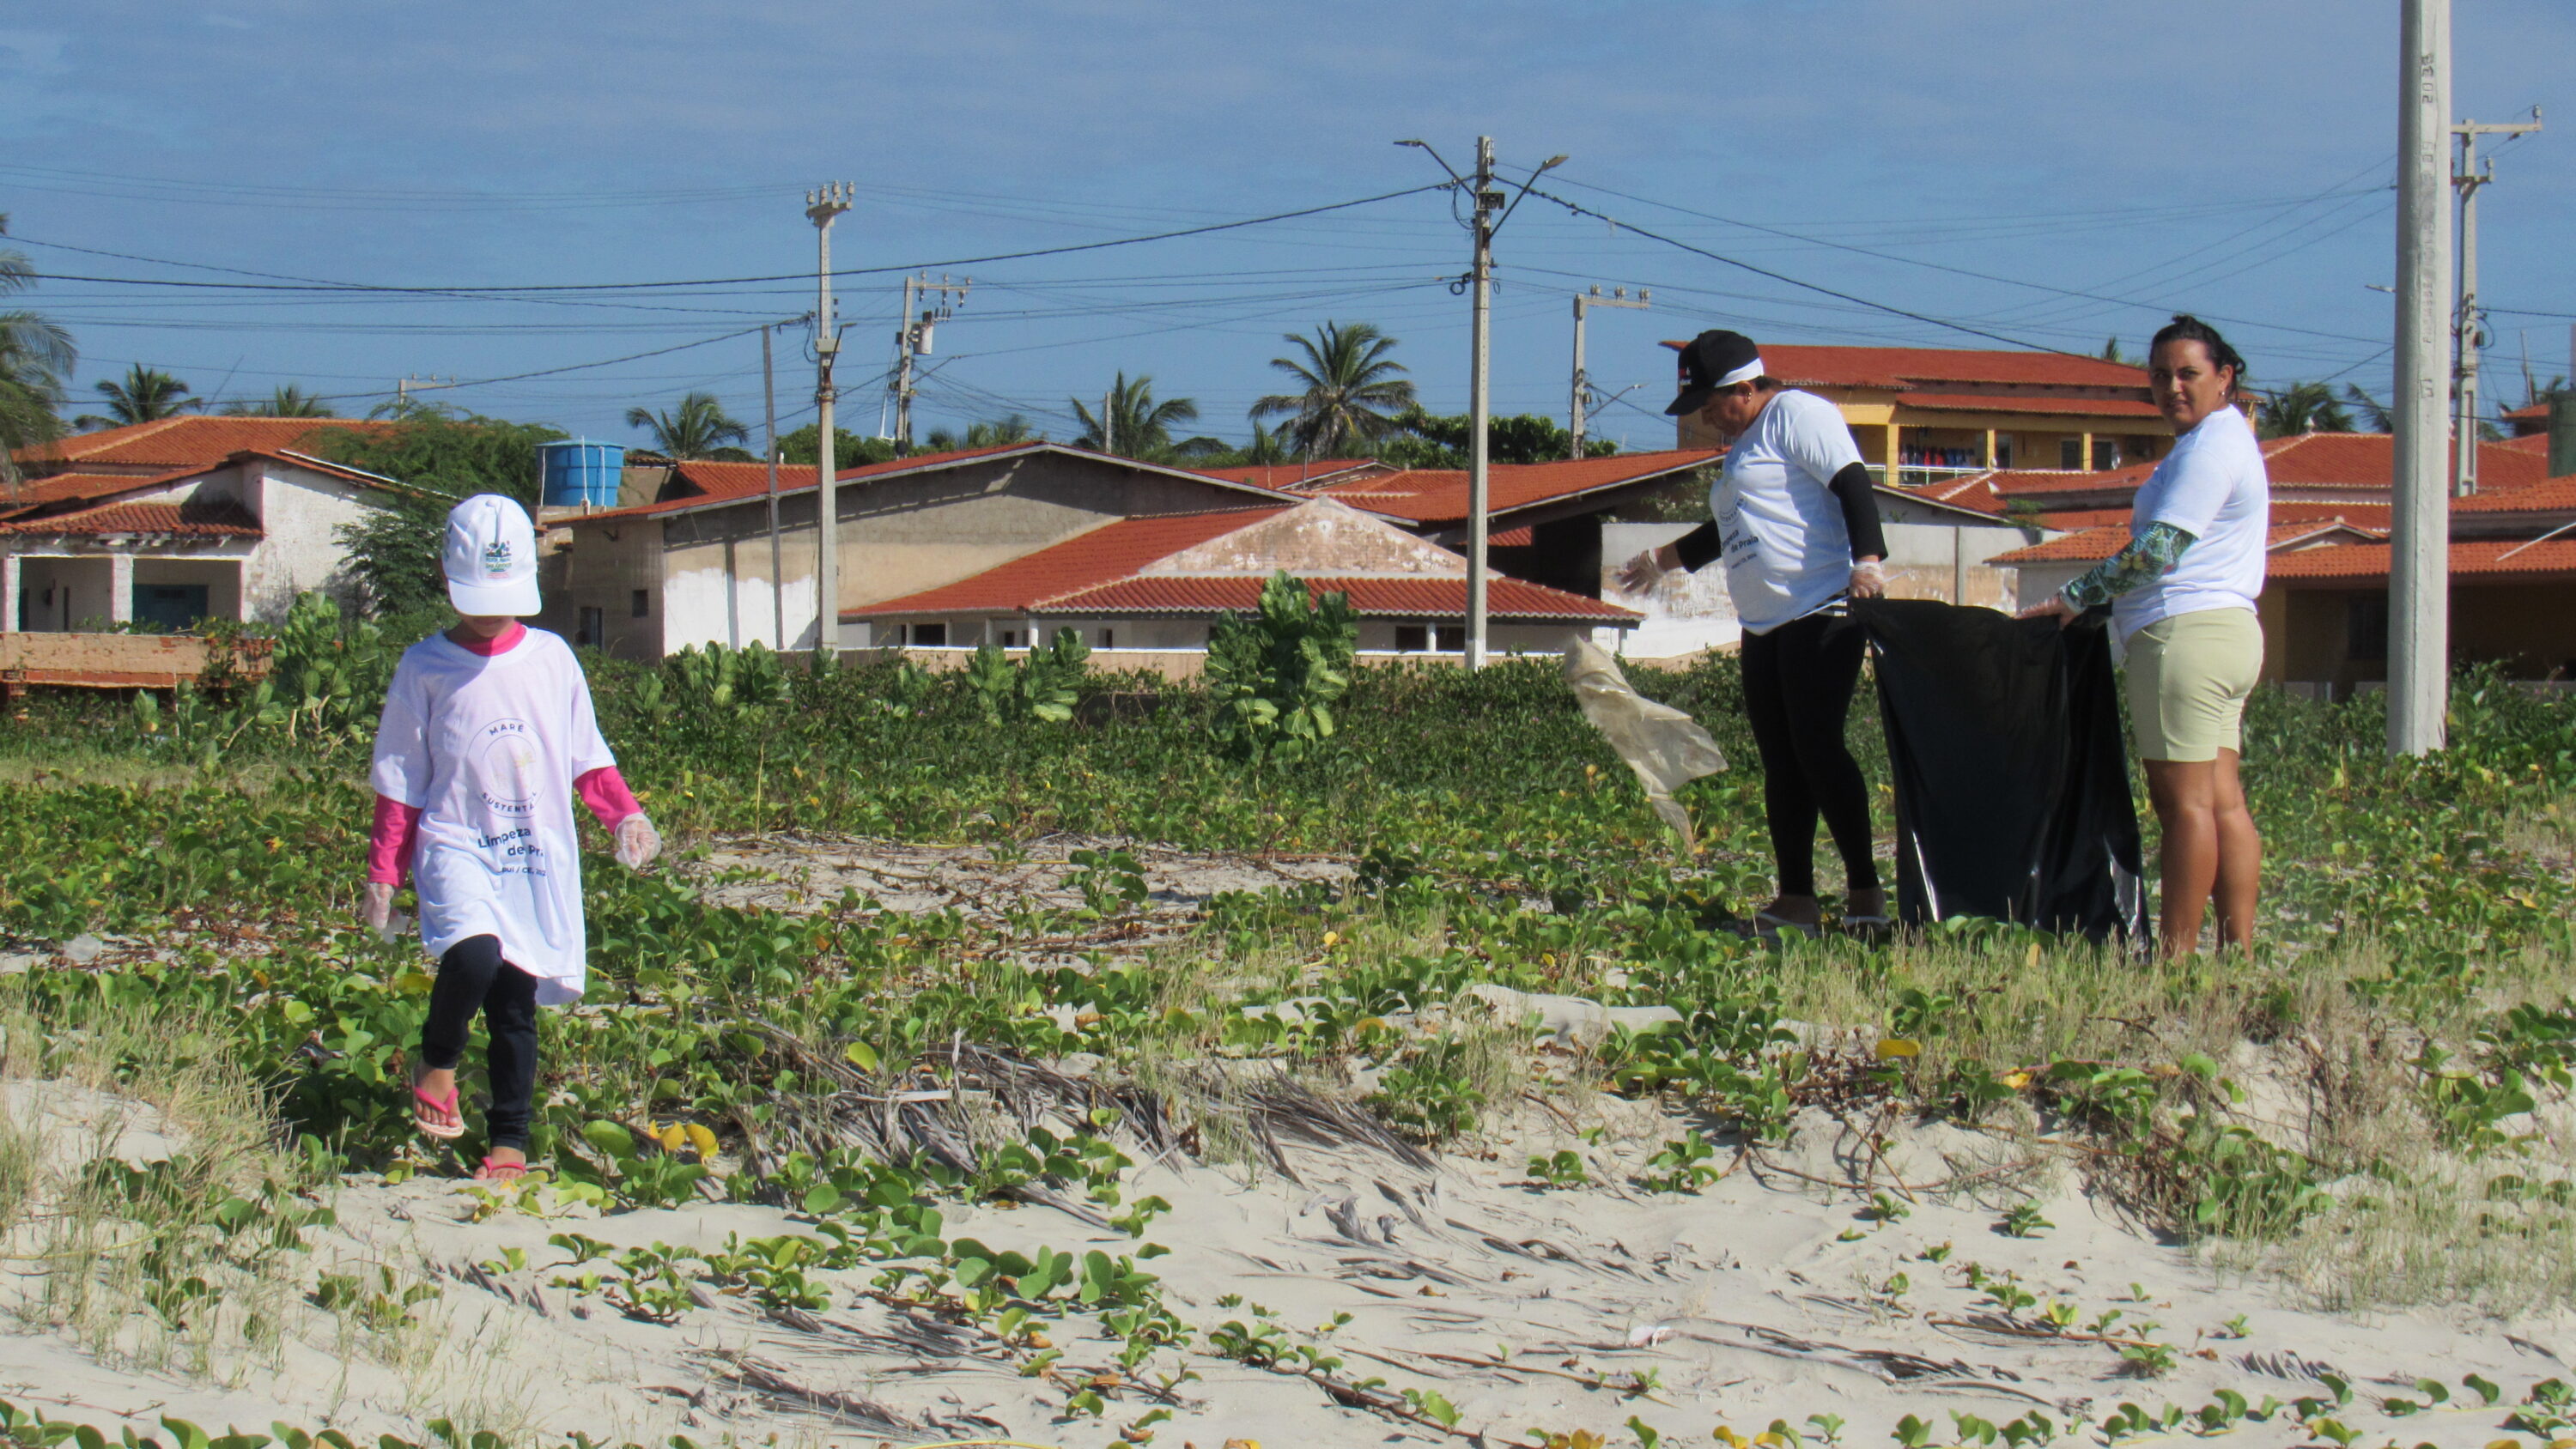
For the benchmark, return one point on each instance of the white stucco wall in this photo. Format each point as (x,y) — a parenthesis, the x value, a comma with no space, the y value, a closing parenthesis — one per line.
(1685,612)
(299,511)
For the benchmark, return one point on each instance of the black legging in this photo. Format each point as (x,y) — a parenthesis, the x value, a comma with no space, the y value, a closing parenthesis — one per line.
(1798,682)
(472,977)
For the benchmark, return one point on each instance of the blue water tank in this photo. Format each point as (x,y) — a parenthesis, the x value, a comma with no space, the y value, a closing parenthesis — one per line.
(581,473)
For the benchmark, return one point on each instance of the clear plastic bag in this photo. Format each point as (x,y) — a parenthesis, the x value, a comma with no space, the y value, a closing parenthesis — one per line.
(1665,747)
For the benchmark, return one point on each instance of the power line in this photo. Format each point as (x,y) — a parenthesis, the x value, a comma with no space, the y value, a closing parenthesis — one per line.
(1581,210)
(767,277)
(551,371)
(1989,276)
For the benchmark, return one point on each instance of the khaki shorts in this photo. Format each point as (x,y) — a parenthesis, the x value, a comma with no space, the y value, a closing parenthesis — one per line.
(2186,681)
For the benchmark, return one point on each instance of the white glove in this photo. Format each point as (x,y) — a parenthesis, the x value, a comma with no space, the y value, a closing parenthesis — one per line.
(1639,574)
(1868,580)
(637,841)
(377,907)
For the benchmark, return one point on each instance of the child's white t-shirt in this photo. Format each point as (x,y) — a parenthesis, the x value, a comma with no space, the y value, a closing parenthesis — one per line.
(1787,551)
(488,749)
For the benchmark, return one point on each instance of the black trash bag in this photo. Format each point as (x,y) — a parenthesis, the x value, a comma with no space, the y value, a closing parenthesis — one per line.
(2012,782)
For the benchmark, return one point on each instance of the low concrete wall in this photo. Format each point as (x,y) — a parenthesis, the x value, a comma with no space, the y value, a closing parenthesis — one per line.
(117,661)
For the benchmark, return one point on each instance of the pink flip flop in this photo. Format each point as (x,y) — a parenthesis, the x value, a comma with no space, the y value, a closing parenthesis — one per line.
(432,1127)
(492,1171)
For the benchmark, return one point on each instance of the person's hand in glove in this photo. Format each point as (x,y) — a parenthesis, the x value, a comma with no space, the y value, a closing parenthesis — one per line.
(1868,579)
(377,907)
(637,841)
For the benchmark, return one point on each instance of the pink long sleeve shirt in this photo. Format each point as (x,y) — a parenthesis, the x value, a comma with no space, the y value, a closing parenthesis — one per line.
(396,832)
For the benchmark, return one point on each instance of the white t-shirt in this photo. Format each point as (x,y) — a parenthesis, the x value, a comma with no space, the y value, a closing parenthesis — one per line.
(488,748)
(2214,487)
(1787,552)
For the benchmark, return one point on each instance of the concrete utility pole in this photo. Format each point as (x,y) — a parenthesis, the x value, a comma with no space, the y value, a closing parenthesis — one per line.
(1489,203)
(1582,406)
(2469,332)
(912,340)
(769,450)
(2420,541)
(1489,214)
(820,208)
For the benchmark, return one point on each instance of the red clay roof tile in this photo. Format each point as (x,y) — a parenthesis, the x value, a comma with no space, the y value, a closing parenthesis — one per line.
(2476,558)
(193,440)
(1408,598)
(221,518)
(1439,495)
(1112,551)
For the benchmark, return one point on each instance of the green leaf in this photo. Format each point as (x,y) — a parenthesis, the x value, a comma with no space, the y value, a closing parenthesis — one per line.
(610,1138)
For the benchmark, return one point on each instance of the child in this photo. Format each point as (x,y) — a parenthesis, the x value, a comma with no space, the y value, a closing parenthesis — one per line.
(487,736)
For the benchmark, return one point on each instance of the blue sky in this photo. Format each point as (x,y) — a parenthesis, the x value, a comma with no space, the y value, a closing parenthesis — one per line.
(2226,157)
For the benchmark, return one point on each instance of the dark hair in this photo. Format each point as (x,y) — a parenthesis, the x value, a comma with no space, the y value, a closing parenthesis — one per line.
(2187,328)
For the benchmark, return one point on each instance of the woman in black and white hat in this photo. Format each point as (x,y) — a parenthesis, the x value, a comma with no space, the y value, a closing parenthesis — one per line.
(1793,516)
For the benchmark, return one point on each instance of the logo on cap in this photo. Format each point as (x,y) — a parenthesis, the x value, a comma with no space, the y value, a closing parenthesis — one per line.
(496,558)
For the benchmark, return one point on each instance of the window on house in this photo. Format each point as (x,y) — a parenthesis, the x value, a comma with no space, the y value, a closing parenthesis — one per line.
(2003,452)
(928,636)
(1412,638)
(2106,453)
(1108,638)
(1453,638)
(591,627)
(2365,627)
(2070,453)
(639,604)
(1010,638)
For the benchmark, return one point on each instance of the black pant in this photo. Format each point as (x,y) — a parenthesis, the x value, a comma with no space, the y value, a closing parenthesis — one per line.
(472,977)
(1798,682)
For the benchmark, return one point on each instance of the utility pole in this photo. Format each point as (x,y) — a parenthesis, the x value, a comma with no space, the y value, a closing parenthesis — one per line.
(403,389)
(821,207)
(1582,408)
(2469,333)
(1109,421)
(1489,214)
(2420,539)
(912,340)
(769,450)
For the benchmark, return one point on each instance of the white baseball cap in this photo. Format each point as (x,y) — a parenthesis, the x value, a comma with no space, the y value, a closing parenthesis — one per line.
(491,557)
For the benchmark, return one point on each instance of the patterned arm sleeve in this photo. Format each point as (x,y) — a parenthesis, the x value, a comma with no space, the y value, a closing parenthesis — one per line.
(2142,562)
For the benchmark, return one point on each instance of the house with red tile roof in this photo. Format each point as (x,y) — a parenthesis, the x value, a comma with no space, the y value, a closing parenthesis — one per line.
(1922,413)
(178,520)
(1160,584)
(693,565)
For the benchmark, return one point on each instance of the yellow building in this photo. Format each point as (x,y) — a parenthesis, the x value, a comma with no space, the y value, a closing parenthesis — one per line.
(1923,413)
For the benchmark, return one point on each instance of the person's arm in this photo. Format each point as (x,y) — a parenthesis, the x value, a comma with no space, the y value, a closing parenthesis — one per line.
(604,791)
(391,841)
(1853,489)
(2146,559)
(1694,549)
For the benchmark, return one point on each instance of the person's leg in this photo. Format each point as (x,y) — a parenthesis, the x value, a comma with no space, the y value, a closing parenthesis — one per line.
(1787,808)
(1820,668)
(2185,796)
(465,975)
(510,1014)
(2240,854)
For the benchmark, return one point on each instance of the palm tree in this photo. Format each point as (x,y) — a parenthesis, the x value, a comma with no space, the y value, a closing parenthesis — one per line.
(35,356)
(2371,410)
(695,429)
(2302,407)
(2111,351)
(144,395)
(287,401)
(1138,426)
(1351,387)
(1012,429)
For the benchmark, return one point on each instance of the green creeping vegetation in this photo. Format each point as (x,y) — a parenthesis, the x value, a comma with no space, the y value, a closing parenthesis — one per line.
(2409,1013)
